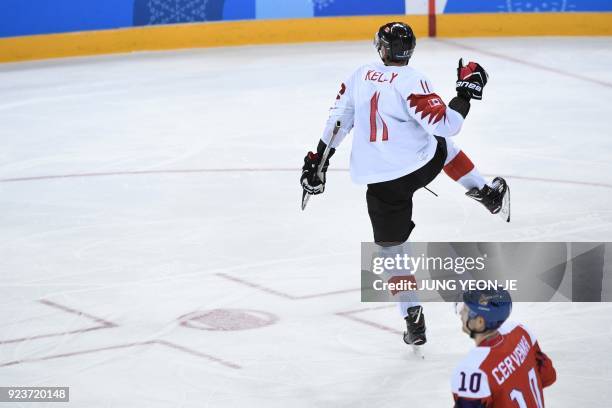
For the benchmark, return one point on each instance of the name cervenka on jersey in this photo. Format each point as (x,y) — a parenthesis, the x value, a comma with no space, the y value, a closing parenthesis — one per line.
(506,367)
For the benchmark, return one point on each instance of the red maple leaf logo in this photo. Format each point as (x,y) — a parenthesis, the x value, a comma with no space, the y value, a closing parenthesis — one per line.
(430,105)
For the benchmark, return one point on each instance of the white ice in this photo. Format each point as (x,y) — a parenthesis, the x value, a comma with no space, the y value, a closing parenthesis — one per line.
(181,195)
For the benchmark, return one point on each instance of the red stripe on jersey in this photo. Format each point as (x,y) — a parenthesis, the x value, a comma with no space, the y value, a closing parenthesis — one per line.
(430,105)
(459,166)
(373,116)
(373,112)
(341,92)
(385,131)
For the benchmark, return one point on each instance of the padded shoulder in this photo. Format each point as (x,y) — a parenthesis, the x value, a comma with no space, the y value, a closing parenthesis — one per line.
(509,326)
(468,380)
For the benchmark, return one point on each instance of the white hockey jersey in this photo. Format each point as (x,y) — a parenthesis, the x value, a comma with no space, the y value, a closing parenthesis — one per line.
(395,113)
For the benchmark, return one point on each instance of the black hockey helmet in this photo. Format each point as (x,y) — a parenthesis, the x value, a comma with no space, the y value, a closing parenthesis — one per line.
(395,42)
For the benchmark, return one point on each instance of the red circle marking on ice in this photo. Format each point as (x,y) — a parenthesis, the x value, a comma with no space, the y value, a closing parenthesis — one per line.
(227,319)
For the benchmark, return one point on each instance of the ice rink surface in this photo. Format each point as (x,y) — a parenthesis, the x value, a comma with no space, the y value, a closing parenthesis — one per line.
(153,252)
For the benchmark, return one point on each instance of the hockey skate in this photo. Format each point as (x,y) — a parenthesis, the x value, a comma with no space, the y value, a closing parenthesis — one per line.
(496,198)
(415,330)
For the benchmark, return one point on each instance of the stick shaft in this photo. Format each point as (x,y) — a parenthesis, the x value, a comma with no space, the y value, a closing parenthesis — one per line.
(327,150)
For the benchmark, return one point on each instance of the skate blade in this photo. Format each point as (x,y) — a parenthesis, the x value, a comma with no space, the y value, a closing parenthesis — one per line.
(504,213)
(419,352)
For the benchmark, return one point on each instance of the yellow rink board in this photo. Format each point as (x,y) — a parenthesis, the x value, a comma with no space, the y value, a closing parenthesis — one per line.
(524,24)
(220,34)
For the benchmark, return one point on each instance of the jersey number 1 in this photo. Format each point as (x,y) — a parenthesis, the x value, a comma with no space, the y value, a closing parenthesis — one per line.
(374,115)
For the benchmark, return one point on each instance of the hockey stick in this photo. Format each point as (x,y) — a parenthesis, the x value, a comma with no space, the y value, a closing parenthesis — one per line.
(305,195)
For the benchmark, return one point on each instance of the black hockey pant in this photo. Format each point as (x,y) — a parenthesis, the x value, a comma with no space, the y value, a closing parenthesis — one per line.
(390,202)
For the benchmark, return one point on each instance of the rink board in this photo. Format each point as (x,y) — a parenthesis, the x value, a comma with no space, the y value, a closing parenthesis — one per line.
(217,34)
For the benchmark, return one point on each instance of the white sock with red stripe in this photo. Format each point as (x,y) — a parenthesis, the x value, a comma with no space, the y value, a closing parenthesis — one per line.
(405,298)
(405,305)
(472,179)
(460,168)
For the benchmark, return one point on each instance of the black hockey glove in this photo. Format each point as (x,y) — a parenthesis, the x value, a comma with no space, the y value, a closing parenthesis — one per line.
(471,80)
(310,181)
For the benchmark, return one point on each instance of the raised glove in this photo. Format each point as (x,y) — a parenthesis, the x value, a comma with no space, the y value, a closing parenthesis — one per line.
(471,80)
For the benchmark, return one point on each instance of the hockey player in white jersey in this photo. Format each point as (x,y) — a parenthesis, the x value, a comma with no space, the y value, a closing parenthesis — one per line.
(401,143)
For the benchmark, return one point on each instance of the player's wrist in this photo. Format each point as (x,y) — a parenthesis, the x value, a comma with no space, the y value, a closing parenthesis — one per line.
(321,149)
(463,94)
(460,104)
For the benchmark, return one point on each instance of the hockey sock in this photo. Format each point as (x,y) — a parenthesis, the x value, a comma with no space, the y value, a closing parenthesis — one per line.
(407,298)
(461,169)
(405,305)
(472,179)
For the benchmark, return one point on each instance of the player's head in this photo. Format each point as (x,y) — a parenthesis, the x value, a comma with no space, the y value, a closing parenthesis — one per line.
(483,311)
(395,43)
